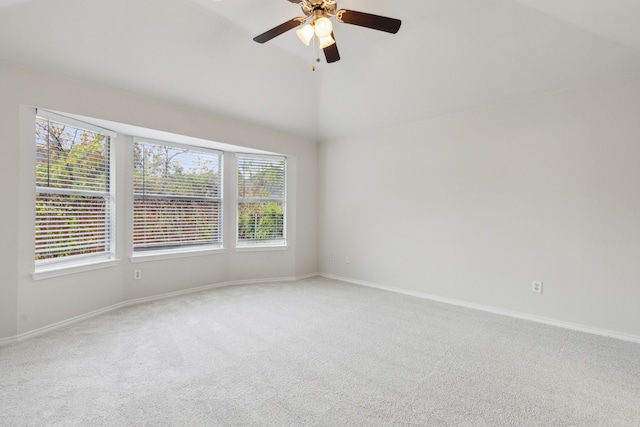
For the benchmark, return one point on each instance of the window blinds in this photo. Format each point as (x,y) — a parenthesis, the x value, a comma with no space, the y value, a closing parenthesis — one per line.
(177,196)
(261,200)
(73,199)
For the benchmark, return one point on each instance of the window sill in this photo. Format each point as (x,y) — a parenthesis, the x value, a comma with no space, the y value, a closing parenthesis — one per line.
(172,254)
(65,269)
(258,248)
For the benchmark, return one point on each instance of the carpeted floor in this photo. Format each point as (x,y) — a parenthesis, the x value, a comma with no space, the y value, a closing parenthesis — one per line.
(316,353)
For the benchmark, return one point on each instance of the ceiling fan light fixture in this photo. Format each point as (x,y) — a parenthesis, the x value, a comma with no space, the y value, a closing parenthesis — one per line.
(317,22)
(323,27)
(305,34)
(326,41)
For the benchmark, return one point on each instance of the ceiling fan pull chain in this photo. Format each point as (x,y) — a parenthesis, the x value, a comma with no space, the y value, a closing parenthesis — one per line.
(315,52)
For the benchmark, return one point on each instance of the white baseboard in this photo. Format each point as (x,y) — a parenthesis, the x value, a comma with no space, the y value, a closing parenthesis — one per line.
(215,286)
(76,319)
(59,325)
(7,341)
(547,321)
(489,309)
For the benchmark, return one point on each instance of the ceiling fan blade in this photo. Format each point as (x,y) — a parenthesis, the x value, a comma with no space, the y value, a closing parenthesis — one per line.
(295,1)
(376,22)
(282,28)
(331,53)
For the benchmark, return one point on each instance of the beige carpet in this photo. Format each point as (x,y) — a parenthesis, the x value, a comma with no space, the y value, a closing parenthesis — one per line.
(316,353)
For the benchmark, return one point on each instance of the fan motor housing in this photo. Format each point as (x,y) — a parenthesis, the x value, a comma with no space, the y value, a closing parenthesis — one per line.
(312,7)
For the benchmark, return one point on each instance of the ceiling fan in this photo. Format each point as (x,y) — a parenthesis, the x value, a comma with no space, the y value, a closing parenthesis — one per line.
(317,17)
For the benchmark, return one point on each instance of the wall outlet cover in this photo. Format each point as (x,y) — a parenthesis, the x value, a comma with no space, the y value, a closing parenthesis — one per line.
(536,287)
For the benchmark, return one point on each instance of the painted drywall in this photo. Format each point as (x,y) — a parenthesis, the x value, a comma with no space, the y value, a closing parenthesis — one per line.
(9,119)
(474,206)
(27,305)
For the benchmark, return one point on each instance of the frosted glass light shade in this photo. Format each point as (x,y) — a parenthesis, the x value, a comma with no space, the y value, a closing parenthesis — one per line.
(326,41)
(305,34)
(323,27)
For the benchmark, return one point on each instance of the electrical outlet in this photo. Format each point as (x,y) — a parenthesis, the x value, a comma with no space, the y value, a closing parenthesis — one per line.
(329,257)
(347,260)
(536,287)
(137,274)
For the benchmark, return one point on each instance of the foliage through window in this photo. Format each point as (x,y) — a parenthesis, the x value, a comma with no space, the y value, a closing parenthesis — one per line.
(261,200)
(177,196)
(73,196)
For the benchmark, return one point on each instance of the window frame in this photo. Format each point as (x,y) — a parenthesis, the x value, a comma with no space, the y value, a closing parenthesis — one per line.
(56,266)
(268,244)
(185,250)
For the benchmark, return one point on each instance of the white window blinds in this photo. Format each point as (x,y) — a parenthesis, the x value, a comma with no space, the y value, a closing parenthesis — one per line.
(261,200)
(177,196)
(73,193)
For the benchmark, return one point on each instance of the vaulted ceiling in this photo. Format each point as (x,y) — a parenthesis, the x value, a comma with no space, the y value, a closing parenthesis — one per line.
(450,55)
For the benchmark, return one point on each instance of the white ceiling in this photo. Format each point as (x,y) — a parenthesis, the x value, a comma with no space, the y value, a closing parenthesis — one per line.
(449,55)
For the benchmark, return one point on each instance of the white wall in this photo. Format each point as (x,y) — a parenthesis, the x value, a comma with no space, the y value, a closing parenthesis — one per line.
(27,305)
(474,206)
(9,171)
(471,206)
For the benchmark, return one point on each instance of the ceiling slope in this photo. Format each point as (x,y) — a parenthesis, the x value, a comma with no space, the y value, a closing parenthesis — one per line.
(449,55)
(452,55)
(173,50)
(613,19)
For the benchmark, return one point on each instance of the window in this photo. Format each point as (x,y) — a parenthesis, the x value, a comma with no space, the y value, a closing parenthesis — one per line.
(261,200)
(177,197)
(74,203)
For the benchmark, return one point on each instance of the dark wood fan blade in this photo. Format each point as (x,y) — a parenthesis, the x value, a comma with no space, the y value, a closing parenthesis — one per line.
(295,1)
(375,22)
(331,52)
(282,28)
